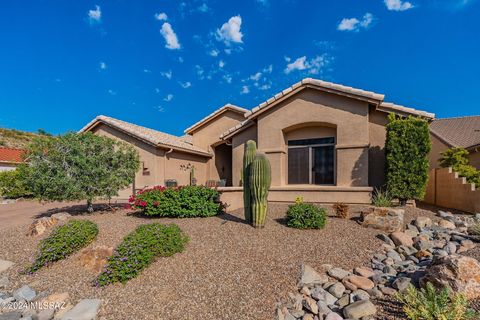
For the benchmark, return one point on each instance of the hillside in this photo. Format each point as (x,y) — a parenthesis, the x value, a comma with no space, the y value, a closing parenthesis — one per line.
(12,138)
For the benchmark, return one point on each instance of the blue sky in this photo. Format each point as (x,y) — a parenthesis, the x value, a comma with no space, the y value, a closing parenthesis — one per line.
(166,64)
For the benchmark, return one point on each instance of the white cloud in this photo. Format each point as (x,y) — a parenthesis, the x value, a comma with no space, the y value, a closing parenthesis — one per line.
(167,74)
(199,70)
(157,90)
(256,76)
(228,78)
(147,71)
(95,15)
(353,24)
(103,65)
(111,92)
(265,86)
(180,59)
(245,90)
(398,5)
(268,69)
(213,52)
(203,8)
(162,16)
(221,63)
(170,36)
(160,109)
(264,3)
(230,31)
(186,85)
(312,66)
(168,98)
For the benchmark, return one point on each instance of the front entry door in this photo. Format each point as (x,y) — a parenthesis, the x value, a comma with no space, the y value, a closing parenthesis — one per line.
(323,165)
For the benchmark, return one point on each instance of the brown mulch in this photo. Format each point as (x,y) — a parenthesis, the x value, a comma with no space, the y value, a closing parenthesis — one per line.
(229,270)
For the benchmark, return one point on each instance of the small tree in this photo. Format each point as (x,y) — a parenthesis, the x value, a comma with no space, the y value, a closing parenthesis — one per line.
(407,148)
(457,158)
(79,167)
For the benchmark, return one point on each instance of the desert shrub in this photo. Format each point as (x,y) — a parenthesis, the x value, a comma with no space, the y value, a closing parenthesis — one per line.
(139,249)
(433,304)
(181,202)
(457,158)
(341,210)
(63,241)
(306,216)
(381,198)
(475,229)
(407,148)
(12,184)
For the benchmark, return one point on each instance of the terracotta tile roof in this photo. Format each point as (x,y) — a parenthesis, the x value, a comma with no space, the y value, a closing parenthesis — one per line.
(11,155)
(461,132)
(369,96)
(217,112)
(148,135)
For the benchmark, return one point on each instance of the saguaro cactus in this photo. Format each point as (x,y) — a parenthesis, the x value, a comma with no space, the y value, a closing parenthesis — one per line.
(260,179)
(248,157)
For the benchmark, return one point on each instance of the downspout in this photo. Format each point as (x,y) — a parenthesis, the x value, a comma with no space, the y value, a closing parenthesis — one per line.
(165,165)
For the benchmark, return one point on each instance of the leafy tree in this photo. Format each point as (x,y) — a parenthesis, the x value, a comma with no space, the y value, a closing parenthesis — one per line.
(12,184)
(407,147)
(457,158)
(79,167)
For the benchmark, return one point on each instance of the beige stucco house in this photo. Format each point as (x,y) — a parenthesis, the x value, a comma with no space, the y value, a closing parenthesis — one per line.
(461,132)
(325,142)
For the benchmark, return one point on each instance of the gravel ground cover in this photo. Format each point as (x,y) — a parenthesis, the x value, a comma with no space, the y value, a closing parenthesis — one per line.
(229,270)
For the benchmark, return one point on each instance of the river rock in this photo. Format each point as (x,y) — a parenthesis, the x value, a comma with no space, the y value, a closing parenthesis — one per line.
(364,272)
(360,282)
(86,309)
(401,238)
(359,309)
(338,273)
(310,277)
(25,293)
(5,265)
(422,222)
(446,224)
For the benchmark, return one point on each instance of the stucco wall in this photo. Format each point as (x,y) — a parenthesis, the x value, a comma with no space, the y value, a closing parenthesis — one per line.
(238,149)
(5,166)
(208,135)
(376,152)
(159,165)
(438,147)
(474,158)
(447,190)
(314,108)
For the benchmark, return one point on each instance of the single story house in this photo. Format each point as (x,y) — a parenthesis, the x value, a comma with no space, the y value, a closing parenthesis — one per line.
(461,132)
(10,158)
(325,142)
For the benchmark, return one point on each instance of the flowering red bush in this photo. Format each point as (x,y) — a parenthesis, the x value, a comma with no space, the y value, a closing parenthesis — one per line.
(181,202)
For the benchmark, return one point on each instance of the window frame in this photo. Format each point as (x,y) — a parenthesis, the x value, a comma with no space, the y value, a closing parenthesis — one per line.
(310,159)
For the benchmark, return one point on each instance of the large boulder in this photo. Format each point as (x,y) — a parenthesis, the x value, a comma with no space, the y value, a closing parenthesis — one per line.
(95,259)
(385,219)
(460,273)
(39,226)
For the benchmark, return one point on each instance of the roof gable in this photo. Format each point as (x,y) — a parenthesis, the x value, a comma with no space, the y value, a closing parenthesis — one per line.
(150,136)
(215,114)
(11,155)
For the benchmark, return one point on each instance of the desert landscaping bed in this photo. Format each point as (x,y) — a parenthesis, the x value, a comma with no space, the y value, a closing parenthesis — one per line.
(229,270)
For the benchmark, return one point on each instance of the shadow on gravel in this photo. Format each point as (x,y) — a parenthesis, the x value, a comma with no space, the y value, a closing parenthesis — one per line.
(226,217)
(81,209)
(390,309)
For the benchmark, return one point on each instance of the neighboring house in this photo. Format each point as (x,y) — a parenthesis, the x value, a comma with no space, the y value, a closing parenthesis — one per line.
(461,132)
(325,142)
(10,158)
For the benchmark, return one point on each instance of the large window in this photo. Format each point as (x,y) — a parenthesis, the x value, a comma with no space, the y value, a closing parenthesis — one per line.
(311,161)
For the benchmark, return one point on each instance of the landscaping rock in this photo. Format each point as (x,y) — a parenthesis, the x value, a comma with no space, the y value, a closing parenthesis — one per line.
(12,315)
(310,277)
(364,272)
(61,216)
(95,259)
(321,294)
(401,283)
(460,273)
(359,295)
(25,293)
(46,314)
(360,282)
(4,282)
(401,238)
(386,239)
(359,309)
(333,316)
(310,305)
(39,226)
(338,273)
(422,222)
(386,219)
(337,290)
(5,265)
(86,309)
(446,224)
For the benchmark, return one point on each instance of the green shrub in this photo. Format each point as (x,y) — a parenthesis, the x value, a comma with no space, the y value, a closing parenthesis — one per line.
(181,202)
(12,184)
(139,249)
(433,304)
(407,148)
(381,198)
(63,241)
(457,158)
(306,216)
